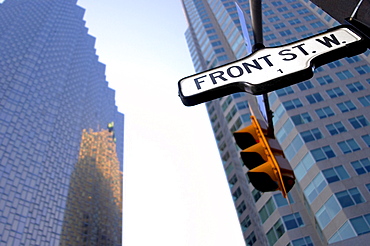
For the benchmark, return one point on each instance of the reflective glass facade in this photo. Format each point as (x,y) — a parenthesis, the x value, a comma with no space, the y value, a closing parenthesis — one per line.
(322,125)
(52,87)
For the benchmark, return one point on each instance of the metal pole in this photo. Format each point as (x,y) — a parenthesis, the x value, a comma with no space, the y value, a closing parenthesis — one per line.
(256,14)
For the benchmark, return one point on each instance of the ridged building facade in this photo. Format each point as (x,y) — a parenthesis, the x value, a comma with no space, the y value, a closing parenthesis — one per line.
(322,125)
(52,92)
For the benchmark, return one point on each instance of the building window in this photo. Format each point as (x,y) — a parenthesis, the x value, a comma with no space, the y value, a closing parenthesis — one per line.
(246,223)
(222,58)
(285,33)
(317,24)
(293,148)
(237,95)
(216,43)
(335,174)
(311,135)
(365,101)
(335,64)
(355,87)
(348,146)
(346,106)
(336,128)
(361,166)
(296,5)
(358,122)
(303,11)
(288,15)
(352,59)
(305,85)
(292,104)
(251,239)
(270,37)
(256,195)
(349,197)
(325,80)
(314,98)
(335,92)
(317,185)
(284,131)
(268,12)
(229,169)
(323,153)
(368,187)
(281,201)
(282,9)
(284,91)
(242,105)
(267,210)
(274,19)
(346,231)
(219,50)
(295,22)
(363,69)
(246,117)
(231,114)
(241,208)
(327,212)
(236,125)
(277,3)
(275,232)
(309,17)
(304,166)
(366,139)
(233,181)
(279,25)
(293,221)
(304,241)
(301,28)
(361,224)
(343,75)
(237,193)
(290,40)
(301,119)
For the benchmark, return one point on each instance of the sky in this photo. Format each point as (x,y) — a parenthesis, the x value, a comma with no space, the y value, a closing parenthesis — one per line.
(175,191)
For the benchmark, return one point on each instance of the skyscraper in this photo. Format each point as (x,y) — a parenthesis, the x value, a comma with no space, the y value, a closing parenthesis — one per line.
(52,88)
(322,125)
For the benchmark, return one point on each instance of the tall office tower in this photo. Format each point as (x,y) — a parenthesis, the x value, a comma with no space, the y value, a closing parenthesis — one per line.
(52,87)
(322,125)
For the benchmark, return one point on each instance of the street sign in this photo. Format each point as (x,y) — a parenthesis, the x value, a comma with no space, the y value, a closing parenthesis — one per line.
(270,69)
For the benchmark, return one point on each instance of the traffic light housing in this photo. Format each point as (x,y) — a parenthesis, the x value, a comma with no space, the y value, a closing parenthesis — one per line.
(263,156)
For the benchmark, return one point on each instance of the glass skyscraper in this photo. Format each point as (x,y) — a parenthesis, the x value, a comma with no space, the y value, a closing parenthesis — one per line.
(322,125)
(55,104)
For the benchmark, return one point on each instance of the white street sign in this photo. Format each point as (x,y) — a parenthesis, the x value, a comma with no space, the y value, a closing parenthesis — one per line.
(269,69)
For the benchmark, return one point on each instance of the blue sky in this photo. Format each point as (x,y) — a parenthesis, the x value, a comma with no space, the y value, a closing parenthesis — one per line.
(175,190)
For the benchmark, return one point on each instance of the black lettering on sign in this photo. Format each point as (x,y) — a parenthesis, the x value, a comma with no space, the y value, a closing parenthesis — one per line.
(197,82)
(240,71)
(266,60)
(327,41)
(247,65)
(301,49)
(284,53)
(213,76)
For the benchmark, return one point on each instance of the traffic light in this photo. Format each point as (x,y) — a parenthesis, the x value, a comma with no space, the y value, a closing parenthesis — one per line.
(263,156)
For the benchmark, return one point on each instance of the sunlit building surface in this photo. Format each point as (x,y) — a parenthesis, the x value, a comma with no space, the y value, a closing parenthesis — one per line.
(94,204)
(52,87)
(322,125)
